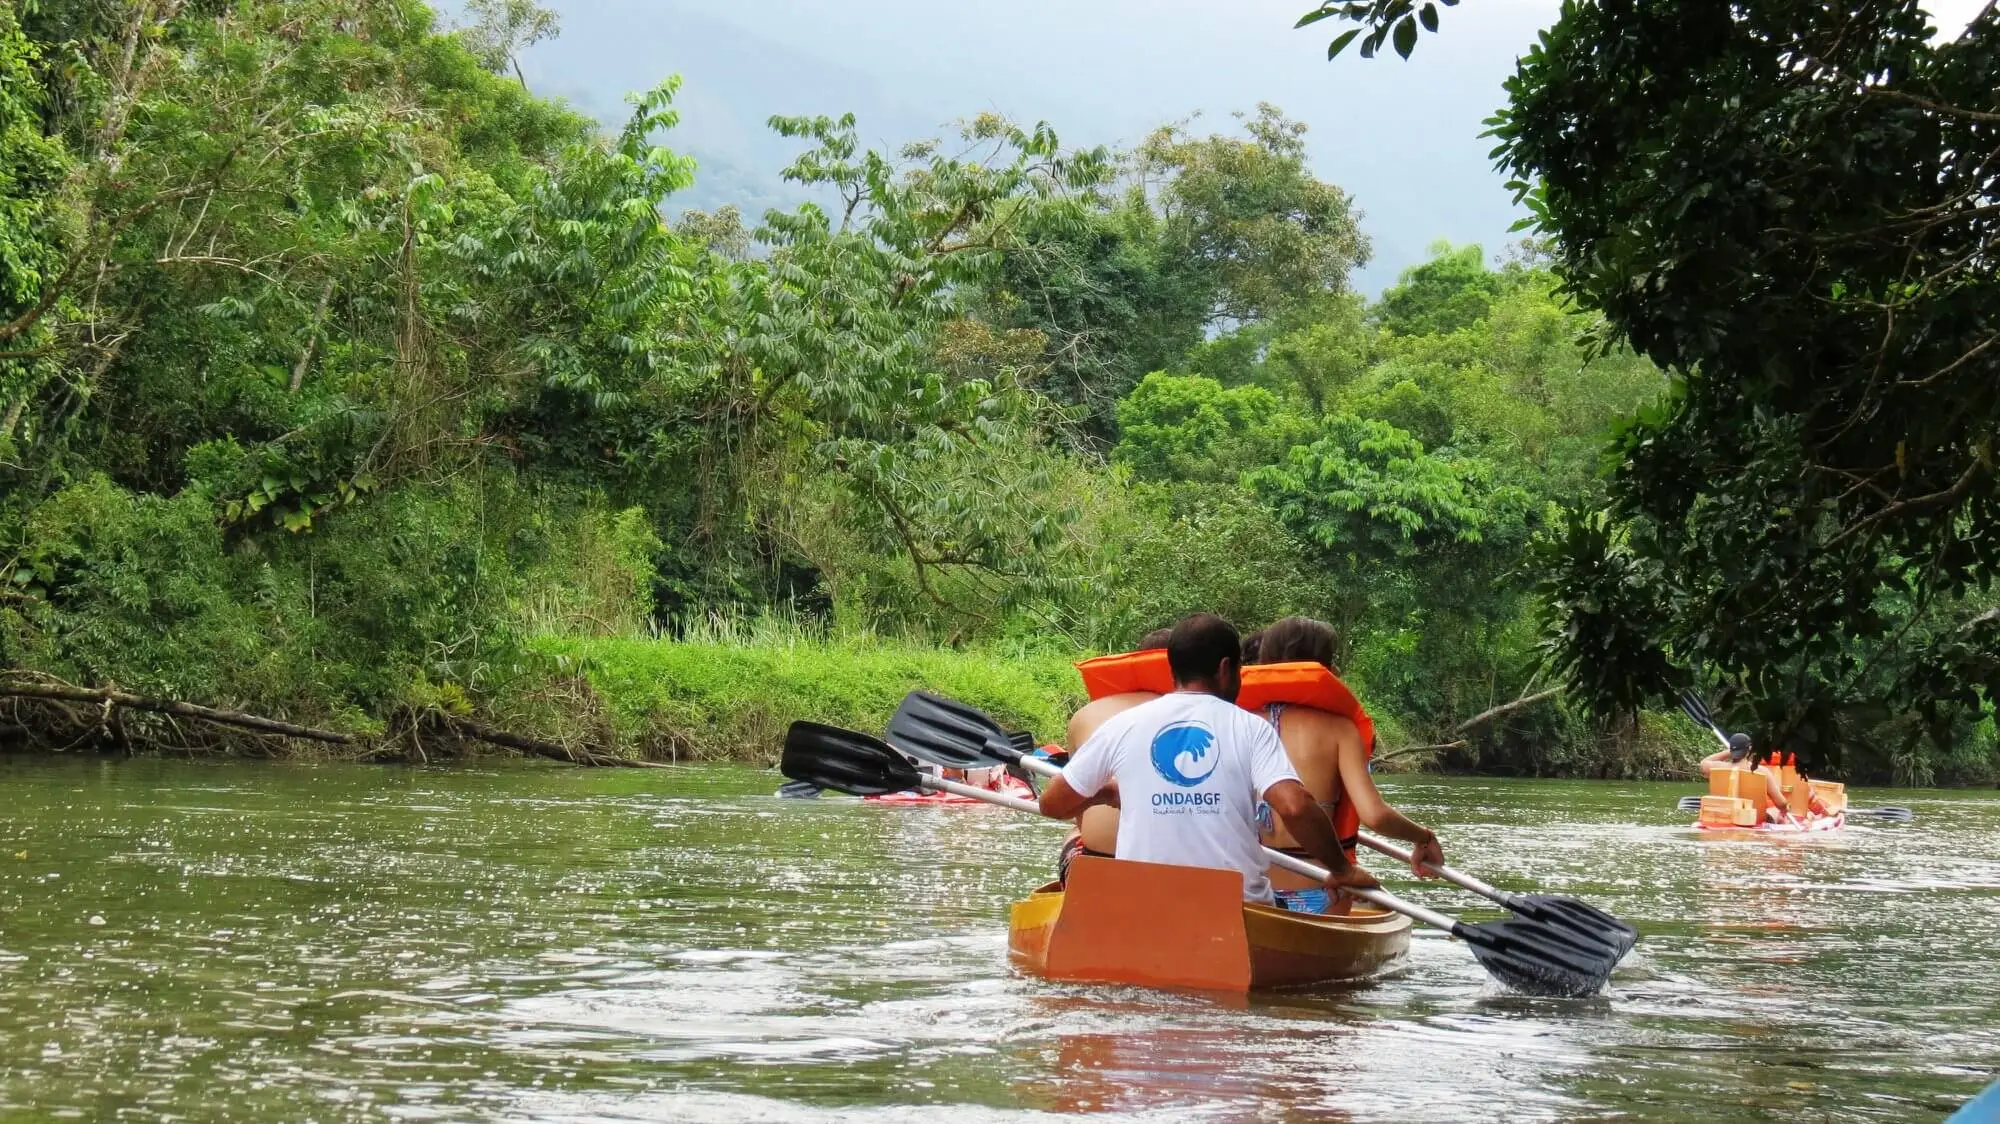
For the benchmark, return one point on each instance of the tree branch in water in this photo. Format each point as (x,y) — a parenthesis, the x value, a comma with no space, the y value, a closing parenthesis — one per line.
(110,699)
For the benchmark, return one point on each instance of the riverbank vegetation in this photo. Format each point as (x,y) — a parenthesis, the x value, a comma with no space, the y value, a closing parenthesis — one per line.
(345,381)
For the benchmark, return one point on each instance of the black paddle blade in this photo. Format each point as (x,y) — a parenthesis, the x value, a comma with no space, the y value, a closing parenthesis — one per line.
(1582,922)
(1536,959)
(844,761)
(1886,812)
(1697,710)
(949,733)
(800,790)
(1689,804)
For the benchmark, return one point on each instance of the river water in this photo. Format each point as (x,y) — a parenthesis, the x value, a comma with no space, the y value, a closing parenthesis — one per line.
(284,942)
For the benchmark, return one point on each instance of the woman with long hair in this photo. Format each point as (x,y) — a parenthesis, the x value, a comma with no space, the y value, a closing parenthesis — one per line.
(1327,752)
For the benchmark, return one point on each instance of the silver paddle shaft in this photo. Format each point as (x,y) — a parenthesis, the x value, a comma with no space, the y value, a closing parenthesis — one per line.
(1292,863)
(1017,803)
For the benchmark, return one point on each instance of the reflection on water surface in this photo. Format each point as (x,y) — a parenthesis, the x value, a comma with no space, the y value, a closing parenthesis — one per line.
(242,941)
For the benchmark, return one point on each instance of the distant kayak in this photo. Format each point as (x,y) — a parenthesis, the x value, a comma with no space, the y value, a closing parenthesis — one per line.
(1005,785)
(1739,799)
(1806,826)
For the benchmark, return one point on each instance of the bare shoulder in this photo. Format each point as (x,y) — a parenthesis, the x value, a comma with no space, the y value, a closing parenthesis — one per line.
(1320,725)
(1100,713)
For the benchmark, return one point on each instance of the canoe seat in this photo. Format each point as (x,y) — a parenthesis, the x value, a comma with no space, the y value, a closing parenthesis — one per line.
(1741,784)
(1831,794)
(1151,923)
(1727,811)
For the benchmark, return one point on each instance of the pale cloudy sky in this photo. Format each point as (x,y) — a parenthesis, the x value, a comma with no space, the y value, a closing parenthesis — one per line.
(1403,137)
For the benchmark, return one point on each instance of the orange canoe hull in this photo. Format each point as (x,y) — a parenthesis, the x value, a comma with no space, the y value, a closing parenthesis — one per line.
(1189,928)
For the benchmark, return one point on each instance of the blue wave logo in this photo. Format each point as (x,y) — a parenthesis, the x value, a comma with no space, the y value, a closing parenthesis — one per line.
(1184,753)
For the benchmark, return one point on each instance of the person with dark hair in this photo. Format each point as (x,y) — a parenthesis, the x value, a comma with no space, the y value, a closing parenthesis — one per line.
(1097,828)
(1187,770)
(1252,644)
(1327,752)
(1741,754)
(1294,640)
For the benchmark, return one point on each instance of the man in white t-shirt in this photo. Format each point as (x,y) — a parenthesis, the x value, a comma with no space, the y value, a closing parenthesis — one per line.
(1187,769)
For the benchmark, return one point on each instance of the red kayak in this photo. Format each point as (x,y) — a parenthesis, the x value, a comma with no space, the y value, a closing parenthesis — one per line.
(1005,785)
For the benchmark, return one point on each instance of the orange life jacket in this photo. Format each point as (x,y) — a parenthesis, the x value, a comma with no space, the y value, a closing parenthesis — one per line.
(1127,672)
(1311,684)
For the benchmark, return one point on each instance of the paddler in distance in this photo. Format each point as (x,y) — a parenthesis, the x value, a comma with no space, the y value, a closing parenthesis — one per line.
(1741,755)
(1189,768)
(1327,751)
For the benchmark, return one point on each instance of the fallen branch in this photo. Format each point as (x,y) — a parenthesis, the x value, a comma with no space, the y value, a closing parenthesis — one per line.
(1407,750)
(1470,724)
(1486,716)
(109,697)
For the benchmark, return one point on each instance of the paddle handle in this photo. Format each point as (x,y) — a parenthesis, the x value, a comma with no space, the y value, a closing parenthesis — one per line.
(1457,878)
(1041,765)
(1298,865)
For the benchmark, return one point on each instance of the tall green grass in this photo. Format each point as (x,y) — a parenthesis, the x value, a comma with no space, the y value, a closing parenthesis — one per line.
(728,688)
(728,692)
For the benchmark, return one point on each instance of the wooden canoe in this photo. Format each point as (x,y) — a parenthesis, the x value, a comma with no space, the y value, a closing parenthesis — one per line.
(1189,928)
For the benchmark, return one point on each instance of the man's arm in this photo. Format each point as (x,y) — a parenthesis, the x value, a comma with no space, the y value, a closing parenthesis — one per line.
(1088,779)
(1713,762)
(1776,788)
(1307,822)
(1061,802)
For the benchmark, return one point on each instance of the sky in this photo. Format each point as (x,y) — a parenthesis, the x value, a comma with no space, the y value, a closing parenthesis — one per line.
(1402,137)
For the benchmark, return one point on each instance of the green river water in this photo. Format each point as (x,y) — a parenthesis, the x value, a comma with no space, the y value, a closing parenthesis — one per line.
(245,941)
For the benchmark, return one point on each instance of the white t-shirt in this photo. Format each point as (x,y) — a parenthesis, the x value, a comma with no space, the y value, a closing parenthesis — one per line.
(1190,770)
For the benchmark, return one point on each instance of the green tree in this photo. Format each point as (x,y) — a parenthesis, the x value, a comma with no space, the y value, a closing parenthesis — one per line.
(32,235)
(1796,224)
(1452,290)
(501,29)
(1205,233)
(1189,428)
(1249,215)
(1823,474)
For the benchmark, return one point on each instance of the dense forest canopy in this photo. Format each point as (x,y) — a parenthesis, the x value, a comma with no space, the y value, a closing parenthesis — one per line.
(1794,207)
(338,368)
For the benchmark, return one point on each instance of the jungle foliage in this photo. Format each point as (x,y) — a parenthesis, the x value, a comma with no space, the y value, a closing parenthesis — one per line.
(344,380)
(1790,205)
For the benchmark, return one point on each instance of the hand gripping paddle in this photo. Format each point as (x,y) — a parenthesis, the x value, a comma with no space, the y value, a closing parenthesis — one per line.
(933,728)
